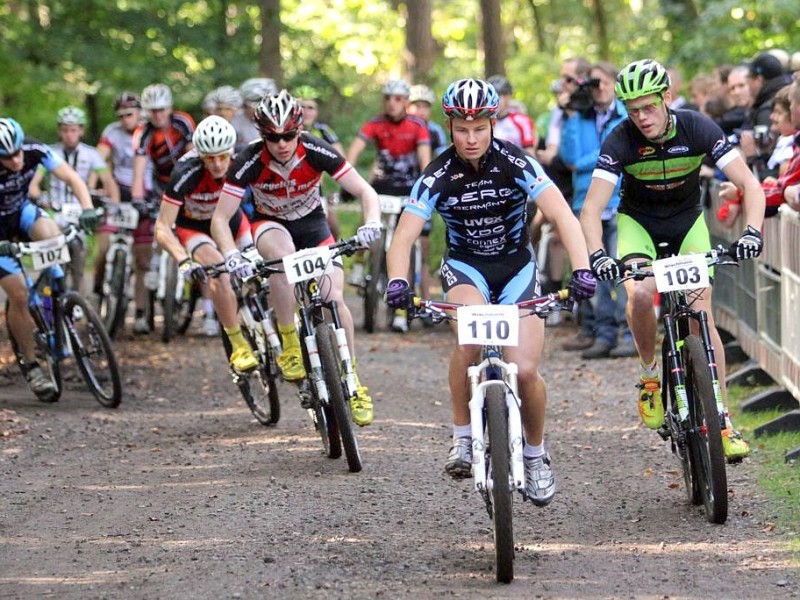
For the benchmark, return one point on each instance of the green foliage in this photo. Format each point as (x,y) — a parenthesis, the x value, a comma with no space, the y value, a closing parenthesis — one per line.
(59,52)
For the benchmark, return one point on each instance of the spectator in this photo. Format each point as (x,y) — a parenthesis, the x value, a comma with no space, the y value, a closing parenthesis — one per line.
(701,88)
(676,85)
(583,134)
(783,189)
(765,77)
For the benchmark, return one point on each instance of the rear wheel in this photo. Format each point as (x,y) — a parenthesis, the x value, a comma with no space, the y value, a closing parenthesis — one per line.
(704,438)
(500,473)
(44,355)
(375,283)
(91,348)
(331,367)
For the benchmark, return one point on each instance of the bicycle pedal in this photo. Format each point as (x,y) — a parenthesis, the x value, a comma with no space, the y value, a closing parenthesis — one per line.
(664,433)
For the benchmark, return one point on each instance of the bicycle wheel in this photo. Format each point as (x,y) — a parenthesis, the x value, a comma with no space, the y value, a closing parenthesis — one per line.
(259,388)
(44,355)
(500,473)
(704,438)
(114,303)
(91,348)
(375,283)
(676,428)
(172,302)
(331,367)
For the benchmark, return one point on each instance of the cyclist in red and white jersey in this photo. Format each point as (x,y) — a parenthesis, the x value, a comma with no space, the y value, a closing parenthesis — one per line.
(187,206)
(162,139)
(283,173)
(403,145)
(514,127)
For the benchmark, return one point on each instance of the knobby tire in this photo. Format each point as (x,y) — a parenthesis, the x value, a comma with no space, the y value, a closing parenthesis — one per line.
(92,350)
(171,302)
(500,472)
(259,388)
(332,369)
(115,303)
(705,439)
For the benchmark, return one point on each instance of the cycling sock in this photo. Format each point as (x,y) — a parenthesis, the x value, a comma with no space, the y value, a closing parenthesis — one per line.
(651,371)
(530,451)
(462,431)
(289,336)
(235,336)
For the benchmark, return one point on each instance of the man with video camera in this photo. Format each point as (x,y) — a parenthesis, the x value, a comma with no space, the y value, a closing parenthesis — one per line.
(596,111)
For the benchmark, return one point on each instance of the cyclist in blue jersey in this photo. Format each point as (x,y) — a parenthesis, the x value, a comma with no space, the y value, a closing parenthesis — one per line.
(657,152)
(21,220)
(480,186)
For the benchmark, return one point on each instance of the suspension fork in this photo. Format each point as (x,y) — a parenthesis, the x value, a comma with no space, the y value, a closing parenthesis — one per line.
(676,372)
(705,334)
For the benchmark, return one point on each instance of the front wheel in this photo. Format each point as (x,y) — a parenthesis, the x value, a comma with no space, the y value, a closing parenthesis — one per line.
(375,283)
(500,475)
(332,369)
(172,301)
(704,439)
(91,348)
(259,388)
(114,303)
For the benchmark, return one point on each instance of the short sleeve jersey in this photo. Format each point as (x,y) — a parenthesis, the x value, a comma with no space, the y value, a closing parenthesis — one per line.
(321,130)
(120,142)
(193,189)
(14,186)
(397,166)
(84,159)
(484,210)
(660,181)
(164,146)
(285,191)
(516,128)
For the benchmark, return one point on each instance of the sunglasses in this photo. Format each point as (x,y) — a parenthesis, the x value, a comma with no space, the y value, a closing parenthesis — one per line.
(281,137)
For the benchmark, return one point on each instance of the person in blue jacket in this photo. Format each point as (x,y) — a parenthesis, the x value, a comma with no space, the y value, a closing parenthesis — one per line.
(604,331)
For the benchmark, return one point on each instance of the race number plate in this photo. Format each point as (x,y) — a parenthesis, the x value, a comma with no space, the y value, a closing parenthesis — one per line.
(71,212)
(125,216)
(687,272)
(47,253)
(490,324)
(391,205)
(307,264)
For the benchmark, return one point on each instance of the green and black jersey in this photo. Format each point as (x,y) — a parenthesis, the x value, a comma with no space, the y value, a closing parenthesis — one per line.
(662,181)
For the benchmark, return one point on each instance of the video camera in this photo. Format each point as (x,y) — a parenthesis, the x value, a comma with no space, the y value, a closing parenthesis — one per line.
(581,99)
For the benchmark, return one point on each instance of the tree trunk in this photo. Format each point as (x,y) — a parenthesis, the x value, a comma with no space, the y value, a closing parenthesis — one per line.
(269,57)
(421,46)
(538,27)
(493,41)
(601,28)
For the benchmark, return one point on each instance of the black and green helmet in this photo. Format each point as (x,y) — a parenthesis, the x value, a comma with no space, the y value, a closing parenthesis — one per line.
(641,78)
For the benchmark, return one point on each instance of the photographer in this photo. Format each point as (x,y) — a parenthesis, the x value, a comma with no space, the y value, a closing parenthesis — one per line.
(597,112)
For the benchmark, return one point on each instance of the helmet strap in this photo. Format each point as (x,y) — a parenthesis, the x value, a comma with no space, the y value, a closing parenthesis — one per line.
(667,125)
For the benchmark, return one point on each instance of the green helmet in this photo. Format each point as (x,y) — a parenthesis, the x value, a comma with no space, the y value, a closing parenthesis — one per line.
(71,115)
(641,78)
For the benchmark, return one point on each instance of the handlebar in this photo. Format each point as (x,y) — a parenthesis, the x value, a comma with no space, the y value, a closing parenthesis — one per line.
(719,255)
(20,249)
(540,306)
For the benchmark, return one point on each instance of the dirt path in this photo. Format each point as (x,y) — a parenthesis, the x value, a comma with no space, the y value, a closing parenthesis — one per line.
(180,494)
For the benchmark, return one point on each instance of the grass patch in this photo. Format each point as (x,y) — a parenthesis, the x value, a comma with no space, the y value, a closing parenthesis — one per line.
(781,480)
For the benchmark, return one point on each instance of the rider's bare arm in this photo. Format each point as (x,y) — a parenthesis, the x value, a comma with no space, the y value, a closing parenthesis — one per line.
(597,198)
(165,237)
(753,193)
(220,228)
(358,186)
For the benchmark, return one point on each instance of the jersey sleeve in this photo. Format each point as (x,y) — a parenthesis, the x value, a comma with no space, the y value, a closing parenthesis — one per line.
(242,170)
(324,157)
(367,131)
(96,162)
(719,149)
(421,200)
(609,162)
(47,158)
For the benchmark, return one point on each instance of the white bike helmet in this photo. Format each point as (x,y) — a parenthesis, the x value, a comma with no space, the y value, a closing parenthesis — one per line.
(156,96)
(71,115)
(422,93)
(253,90)
(396,87)
(11,137)
(278,113)
(225,95)
(214,135)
